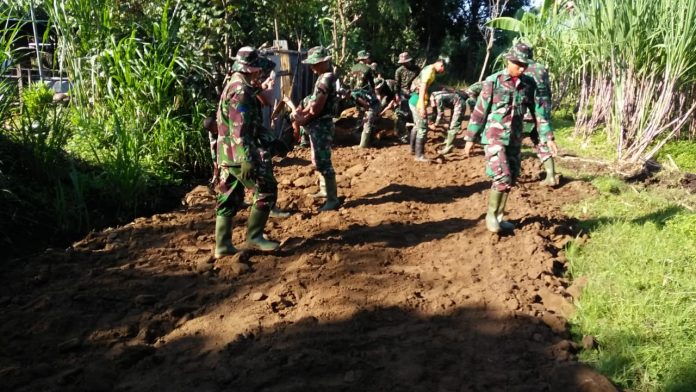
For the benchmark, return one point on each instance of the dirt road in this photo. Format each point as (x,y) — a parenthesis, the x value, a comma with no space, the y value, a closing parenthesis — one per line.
(402,289)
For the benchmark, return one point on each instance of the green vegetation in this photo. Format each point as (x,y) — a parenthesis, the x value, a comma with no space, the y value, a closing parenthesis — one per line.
(641,297)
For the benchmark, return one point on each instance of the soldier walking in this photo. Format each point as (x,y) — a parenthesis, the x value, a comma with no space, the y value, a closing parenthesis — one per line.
(505,97)
(418,103)
(404,75)
(239,158)
(543,94)
(317,119)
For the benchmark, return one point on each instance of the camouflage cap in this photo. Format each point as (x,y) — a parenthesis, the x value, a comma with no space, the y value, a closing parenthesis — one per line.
(404,58)
(519,53)
(363,55)
(316,55)
(247,60)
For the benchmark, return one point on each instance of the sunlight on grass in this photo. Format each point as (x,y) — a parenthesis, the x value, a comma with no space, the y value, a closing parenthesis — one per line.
(641,298)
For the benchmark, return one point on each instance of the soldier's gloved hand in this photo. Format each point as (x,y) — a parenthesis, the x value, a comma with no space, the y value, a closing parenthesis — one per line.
(247,171)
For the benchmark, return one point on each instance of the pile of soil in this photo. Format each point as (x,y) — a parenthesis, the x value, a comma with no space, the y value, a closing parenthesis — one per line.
(401,289)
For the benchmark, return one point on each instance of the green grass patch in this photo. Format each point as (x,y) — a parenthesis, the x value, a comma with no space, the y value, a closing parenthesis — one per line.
(640,301)
(597,145)
(682,152)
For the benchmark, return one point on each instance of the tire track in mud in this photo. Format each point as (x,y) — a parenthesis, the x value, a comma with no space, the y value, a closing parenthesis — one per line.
(402,289)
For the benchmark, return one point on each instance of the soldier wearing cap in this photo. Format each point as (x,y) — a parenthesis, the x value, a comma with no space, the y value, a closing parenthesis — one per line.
(240,157)
(497,119)
(404,75)
(317,119)
(421,87)
(362,74)
(543,94)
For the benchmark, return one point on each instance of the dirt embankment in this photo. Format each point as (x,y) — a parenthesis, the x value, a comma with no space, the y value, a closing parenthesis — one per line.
(402,289)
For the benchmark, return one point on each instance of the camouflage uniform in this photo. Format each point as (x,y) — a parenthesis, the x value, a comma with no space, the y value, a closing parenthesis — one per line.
(472,93)
(371,113)
(362,75)
(453,100)
(242,159)
(497,118)
(541,76)
(385,92)
(321,128)
(403,78)
(239,128)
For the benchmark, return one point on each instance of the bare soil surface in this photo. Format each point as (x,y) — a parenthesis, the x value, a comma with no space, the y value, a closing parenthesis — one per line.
(401,289)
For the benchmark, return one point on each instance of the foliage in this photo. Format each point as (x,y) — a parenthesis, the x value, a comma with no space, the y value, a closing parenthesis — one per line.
(639,302)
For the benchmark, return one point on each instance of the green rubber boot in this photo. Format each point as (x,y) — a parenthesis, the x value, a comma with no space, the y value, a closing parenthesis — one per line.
(223,237)
(504,225)
(550,167)
(364,140)
(332,200)
(322,188)
(494,200)
(256,223)
(449,144)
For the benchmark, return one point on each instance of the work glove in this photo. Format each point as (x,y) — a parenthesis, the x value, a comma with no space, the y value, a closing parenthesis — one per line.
(247,170)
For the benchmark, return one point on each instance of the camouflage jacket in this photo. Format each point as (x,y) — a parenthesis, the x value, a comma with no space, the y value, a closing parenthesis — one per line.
(362,77)
(446,99)
(404,77)
(500,108)
(325,84)
(543,94)
(238,122)
(474,90)
(365,95)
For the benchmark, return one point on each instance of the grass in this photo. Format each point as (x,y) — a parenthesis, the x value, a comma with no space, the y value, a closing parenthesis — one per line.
(640,301)
(598,145)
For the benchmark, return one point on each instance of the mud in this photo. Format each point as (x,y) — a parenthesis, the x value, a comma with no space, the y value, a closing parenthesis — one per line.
(402,289)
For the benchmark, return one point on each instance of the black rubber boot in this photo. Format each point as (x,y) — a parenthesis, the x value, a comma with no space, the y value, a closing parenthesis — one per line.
(420,150)
(332,200)
(255,226)
(223,237)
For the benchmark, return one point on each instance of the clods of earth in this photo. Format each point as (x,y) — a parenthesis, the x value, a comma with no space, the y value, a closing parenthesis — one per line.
(401,289)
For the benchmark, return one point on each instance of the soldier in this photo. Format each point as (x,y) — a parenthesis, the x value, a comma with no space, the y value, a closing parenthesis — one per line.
(370,105)
(541,77)
(240,156)
(386,95)
(418,103)
(362,75)
(504,99)
(454,100)
(404,76)
(317,119)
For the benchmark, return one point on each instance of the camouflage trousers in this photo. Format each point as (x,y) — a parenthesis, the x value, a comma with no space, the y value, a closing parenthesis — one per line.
(502,165)
(231,187)
(369,119)
(420,124)
(403,115)
(457,117)
(321,134)
(542,150)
